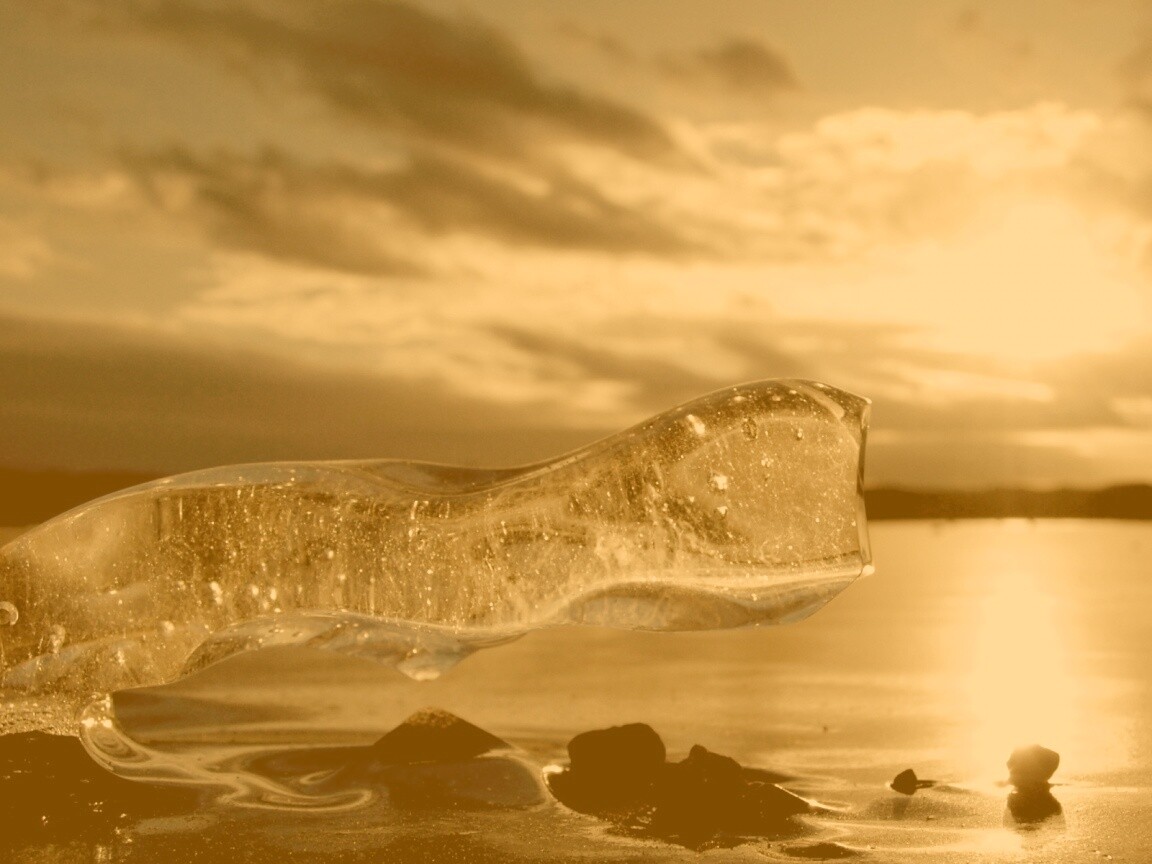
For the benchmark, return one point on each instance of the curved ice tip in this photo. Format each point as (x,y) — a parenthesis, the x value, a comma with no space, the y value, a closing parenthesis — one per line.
(741,507)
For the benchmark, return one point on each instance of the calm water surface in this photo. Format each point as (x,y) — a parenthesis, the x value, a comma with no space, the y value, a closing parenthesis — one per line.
(970,639)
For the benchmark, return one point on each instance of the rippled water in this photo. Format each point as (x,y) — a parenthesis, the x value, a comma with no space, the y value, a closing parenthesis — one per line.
(970,638)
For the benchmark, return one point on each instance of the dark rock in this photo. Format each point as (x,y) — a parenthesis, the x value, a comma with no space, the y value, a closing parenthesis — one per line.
(483,783)
(621,774)
(821,851)
(434,735)
(434,760)
(1030,768)
(906,782)
(632,749)
(1033,806)
(612,772)
(707,794)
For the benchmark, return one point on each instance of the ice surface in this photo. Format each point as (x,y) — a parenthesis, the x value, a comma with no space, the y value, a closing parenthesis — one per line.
(741,507)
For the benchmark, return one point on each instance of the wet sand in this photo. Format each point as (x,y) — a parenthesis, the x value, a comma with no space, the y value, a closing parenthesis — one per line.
(972,638)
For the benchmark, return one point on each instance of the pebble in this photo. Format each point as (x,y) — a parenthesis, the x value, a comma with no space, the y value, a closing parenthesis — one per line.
(1031,767)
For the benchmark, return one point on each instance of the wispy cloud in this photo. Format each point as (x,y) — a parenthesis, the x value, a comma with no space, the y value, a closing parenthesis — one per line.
(80,394)
(1136,72)
(605,43)
(267,204)
(741,65)
(449,80)
(356,218)
(23,251)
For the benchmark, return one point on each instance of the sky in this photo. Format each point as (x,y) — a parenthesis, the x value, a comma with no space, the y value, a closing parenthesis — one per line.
(489,232)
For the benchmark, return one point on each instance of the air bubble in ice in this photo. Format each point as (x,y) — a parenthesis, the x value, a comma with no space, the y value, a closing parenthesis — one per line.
(56,637)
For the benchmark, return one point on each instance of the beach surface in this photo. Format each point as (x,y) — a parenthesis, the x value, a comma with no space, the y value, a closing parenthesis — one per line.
(972,638)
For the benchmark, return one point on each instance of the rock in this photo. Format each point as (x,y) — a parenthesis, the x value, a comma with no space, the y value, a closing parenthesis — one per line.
(906,782)
(630,750)
(1033,806)
(434,760)
(825,851)
(612,772)
(434,735)
(1030,768)
(622,774)
(707,793)
(481,783)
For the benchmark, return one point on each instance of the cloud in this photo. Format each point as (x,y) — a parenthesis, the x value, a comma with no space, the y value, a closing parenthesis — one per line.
(450,80)
(81,395)
(483,262)
(1136,73)
(1039,137)
(972,25)
(268,204)
(743,66)
(975,460)
(386,220)
(23,252)
(603,42)
(854,182)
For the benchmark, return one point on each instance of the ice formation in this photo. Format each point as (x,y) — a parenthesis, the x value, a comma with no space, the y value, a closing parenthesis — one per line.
(741,507)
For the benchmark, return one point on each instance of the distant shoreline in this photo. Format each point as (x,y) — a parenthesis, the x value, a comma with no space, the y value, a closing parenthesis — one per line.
(1128,501)
(30,497)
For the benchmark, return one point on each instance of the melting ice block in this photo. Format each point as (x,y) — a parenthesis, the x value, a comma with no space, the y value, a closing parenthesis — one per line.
(742,507)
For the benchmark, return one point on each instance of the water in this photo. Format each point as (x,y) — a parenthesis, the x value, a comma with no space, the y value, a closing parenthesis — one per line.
(971,638)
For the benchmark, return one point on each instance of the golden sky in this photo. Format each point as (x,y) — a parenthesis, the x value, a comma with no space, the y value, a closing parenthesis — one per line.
(237,230)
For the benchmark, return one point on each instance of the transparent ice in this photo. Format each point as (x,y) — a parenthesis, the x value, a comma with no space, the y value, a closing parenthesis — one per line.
(742,507)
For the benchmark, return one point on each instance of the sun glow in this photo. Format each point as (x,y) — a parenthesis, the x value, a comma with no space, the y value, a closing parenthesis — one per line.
(1028,278)
(1021,687)
(1034,279)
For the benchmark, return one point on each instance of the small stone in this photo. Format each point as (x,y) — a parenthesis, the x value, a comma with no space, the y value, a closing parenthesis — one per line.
(905,782)
(1031,806)
(1031,767)
(434,735)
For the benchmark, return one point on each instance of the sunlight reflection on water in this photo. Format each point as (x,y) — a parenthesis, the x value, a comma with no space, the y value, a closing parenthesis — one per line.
(1021,682)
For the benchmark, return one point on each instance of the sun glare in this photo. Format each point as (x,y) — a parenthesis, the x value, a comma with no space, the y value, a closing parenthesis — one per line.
(1034,279)
(1030,278)
(1021,687)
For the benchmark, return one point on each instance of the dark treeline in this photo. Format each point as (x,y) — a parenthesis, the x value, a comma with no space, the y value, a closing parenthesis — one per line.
(28,497)
(1131,501)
